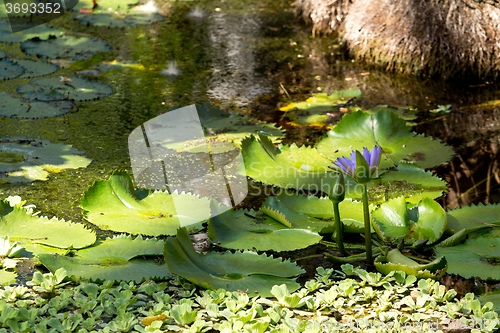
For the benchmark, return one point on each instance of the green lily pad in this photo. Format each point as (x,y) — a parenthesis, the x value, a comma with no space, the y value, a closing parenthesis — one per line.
(13,108)
(111,20)
(410,173)
(75,89)
(231,271)
(9,69)
(35,68)
(493,297)
(107,5)
(288,166)
(473,217)
(247,229)
(351,212)
(406,113)
(399,219)
(25,160)
(396,261)
(2,54)
(314,110)
(66,47)
(113,259)
(388,131)
(7,277)
(27,230)
(275,208)
(114,205)
(42,32)
(478,257)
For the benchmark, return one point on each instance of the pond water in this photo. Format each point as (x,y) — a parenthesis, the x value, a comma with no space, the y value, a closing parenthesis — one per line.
(249,57)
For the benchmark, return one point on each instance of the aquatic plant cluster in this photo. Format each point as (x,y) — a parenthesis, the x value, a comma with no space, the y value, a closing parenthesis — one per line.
(367,177)
(349,300)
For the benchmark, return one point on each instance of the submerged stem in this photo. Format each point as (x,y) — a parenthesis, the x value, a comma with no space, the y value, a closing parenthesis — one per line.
(368,235)
(339,229)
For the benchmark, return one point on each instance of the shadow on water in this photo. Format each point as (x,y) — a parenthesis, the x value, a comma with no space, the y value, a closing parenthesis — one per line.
(251,57)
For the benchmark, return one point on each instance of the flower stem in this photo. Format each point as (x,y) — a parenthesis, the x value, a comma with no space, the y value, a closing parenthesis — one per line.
(339,228)
(368,235)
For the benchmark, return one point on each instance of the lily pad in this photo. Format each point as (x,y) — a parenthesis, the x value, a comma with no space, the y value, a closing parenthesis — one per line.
(7,277)
(399,219)
(107,5)
(66,47)
(274,207)
(13,108)
(231,271)
(288,166)
(247,229)
(494,298)
(411,173)
(75,89)
(35,68)
(478,257)
(351,212)
(25,160)
(28,230)
(473,218)
(406,113)
(219,125)
(2,54)
(42,32)
(9,69)
(113,259)
(396,261)
(114,205)
(314,110)
(388,131)
(111,20)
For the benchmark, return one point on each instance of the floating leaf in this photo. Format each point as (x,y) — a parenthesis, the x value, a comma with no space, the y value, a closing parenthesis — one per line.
(388,131)
(9,69)
(113,259)
(42,32)
(396,261)
(478,257)
(244,230)
(314,110)
(399,219)
(493,297)
(75,89)
(351,212)
(35,68)
(2,54)
(231,271)
(288,166)
(28,230)
(410,173)
(406,113)
(25,160)
(473,217)
(114,205)
(118,20)
(66,47)
(7,277)
(110,5)
(13,108)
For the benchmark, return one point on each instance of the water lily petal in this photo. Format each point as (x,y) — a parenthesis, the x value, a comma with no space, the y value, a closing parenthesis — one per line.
(366,155)
(374,158)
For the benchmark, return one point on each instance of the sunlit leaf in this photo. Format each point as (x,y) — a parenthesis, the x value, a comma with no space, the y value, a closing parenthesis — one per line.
(231,271)
(473,217)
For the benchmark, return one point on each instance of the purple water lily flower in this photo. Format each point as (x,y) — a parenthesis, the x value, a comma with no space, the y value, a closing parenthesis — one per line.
(348,165)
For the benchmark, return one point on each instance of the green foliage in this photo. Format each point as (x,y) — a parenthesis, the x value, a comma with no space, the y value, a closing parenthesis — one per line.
(396,261)
(388,131)
(56,89)
(114,205)
(235,271)
(247,229)
(66,47)
(478,257)
(399,219)
(473,218)
(118,20)
(42,32)
(15,108)
(25,160)
(119,258)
